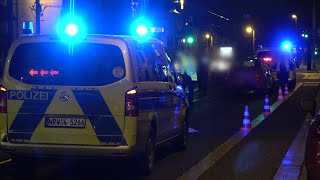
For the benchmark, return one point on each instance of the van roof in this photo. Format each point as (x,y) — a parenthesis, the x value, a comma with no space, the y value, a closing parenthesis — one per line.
(120,37)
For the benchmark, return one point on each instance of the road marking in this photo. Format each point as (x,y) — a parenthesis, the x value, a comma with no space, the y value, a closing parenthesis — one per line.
(191,130)
(214,156)
(292,163)
(5,161)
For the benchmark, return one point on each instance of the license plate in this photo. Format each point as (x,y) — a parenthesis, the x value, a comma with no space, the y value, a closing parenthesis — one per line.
(65,122)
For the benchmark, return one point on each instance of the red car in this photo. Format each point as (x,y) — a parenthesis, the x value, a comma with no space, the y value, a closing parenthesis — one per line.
(250,75)
(312,154)
(312,151)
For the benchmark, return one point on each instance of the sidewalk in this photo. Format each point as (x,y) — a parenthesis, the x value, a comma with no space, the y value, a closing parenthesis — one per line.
(303,69)
(308,76)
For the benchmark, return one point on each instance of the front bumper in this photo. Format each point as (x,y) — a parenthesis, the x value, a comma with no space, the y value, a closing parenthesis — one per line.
(48,150)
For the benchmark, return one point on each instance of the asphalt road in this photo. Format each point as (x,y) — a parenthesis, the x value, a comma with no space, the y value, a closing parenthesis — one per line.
(216,118)
(260,154)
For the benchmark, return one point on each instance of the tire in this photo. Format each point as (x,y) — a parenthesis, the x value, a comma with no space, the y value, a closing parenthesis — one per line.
(147,160)
(269,86)
(182,140)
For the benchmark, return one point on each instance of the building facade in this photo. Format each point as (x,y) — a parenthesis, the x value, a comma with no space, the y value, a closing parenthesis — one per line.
(14,12)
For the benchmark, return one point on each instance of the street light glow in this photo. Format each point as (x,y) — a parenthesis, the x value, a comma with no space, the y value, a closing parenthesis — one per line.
(207,36)
(249,29)
(182,4)
(294,16)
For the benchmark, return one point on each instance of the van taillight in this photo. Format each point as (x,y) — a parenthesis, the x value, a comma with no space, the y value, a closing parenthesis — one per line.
(3,99)
(131,103)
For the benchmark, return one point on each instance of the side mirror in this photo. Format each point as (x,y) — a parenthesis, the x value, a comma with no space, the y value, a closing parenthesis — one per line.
(308,106)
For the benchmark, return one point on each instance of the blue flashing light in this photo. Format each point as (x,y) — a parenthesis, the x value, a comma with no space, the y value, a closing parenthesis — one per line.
(72,29)
(286,45)
(142,30)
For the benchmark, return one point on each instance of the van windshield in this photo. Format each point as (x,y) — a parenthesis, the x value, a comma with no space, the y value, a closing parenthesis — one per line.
(54,63)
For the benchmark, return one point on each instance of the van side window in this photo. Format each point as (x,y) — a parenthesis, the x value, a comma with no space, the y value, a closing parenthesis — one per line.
(145,72)
(171,71)
(155,63)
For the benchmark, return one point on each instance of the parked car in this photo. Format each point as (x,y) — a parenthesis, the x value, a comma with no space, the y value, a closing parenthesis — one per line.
(312,148)
(250,75)
(281,64)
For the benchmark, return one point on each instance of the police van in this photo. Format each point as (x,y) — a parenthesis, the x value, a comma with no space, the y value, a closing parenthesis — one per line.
(101,96)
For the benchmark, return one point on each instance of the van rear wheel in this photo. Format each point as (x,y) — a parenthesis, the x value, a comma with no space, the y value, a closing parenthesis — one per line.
(148,158)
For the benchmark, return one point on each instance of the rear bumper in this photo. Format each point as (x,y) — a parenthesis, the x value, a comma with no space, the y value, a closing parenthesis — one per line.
(290,80)
(244,86)
(48,150)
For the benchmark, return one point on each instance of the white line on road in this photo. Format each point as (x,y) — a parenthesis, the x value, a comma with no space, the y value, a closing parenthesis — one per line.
(292,163)
(214,156)
(5,161)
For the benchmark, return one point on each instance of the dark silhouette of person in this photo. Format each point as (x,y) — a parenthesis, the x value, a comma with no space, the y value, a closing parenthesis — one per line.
(187,82)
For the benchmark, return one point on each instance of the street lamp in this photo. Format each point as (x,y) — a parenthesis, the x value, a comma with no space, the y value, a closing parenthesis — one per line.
(250,30)
(209,39)
(207,36)
(295,18)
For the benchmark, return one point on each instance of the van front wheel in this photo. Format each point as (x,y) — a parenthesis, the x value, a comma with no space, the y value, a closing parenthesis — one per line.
(183,138)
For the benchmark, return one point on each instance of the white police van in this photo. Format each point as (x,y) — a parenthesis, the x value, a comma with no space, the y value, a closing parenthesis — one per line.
(101,96)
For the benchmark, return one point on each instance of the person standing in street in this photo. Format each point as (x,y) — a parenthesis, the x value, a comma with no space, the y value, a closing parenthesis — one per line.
(187,82)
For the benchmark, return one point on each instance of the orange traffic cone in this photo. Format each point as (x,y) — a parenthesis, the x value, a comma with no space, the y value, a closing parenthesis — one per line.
(286,91)
(280,96)
(266,108)
(246,120)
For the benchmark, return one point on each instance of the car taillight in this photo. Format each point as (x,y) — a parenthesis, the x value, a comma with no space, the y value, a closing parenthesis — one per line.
(267,59)
(3,99)
(131,103)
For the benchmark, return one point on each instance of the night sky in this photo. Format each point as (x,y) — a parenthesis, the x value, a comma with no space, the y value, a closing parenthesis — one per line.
(271,18)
